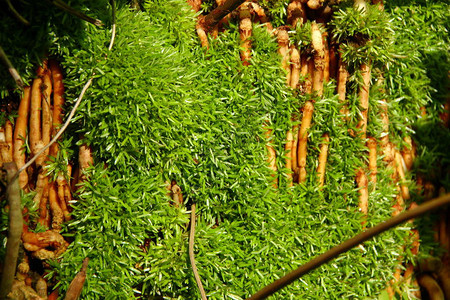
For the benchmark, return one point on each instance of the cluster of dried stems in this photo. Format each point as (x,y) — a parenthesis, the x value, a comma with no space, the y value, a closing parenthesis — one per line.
(39,118)
(306,72)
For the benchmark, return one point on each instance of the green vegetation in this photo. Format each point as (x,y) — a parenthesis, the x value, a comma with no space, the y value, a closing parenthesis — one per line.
(163,108)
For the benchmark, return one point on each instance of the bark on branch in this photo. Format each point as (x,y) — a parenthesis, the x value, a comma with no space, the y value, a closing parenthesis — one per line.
(14,232)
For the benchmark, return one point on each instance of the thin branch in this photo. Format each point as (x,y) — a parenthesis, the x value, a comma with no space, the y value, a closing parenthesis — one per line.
(113,33)
(15,75)
(61,131)
(62,5)
(16,14)
(191,253)
(349,244)
(219,13)
(14,231)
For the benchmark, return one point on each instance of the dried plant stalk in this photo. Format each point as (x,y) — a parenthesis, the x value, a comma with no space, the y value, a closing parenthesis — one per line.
(326,61)
(35,115)
(296,13)
(323,159)
(272,155)
(245,31)
(372,145)
(283,50)
(408,152)
(362,183)
(58,101)
(303,139)
(295,67)
(319,58)
(288,149)
(401,174)
(314,4)
(20,136)
(364,99)
(57,212)
(76,286)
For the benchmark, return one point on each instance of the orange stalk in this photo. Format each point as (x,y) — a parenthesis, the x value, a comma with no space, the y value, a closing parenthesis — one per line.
(326,68)
(323,159)
(296,13)
(41,183)
(303,139)
(271,159)
(372,145)
(6,151)
(85,158)
(333,63)
(283,50)
(202,34)
(288,149)
(245,31)
(401,173)
(46,108)
(20,135)
(362,183)
(314,4)
(364,99)
(57,213)
(44,215)
(342,86)
(61,182)
(409,152)
(305,67)
(58,102)
(319,58)
(295,67)
(35,115)
(261,15)
(294,159)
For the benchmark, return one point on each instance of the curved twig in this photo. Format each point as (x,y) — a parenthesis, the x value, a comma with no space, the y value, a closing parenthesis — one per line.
(16,14)
(349,244)
(15,75)
(113,27)
(191,253)
(62,5)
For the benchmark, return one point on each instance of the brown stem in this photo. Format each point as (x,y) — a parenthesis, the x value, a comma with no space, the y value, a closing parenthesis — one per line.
(20,135)
(372,145)
(245,31)
(364,99)
(295,67)
(362,183)
(288,152)
(14,230)
(323,159)
(76,286)
(303,139)
(319,58)
(283,50)
(58,102)
(218,13)
(271,158)
(296,12)
(192,255)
